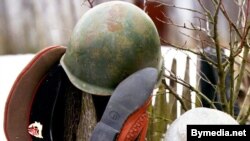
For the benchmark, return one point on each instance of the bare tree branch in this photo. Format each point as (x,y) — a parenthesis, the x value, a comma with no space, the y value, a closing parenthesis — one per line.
(90,2)
(182,82)
(177,7)
(176,96)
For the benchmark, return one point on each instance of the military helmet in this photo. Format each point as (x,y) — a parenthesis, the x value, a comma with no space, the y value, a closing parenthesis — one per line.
(110,42)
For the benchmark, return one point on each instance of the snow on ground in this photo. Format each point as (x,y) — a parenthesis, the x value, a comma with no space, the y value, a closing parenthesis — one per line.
(11,66)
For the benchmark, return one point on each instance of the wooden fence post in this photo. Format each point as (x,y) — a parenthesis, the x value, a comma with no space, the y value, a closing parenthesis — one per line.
(172,100)
(186,94)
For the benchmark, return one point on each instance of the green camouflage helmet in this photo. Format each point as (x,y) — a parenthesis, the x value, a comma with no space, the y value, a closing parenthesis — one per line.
(110,42)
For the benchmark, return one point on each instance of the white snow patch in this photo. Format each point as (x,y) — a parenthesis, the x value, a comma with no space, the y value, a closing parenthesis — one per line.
(197,116)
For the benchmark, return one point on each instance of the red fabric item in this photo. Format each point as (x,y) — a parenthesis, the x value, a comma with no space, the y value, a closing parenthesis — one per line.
(136,125)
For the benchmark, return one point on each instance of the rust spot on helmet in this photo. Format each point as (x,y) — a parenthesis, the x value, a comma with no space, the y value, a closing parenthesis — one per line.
(115,18)
(114,26)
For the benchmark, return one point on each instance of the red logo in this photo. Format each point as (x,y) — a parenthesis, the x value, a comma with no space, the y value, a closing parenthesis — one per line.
(35,129)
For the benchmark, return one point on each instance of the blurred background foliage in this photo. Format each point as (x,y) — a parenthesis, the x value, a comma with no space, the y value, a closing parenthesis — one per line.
(28,25)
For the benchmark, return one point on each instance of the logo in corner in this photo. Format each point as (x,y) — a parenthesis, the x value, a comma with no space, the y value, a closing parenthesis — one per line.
(35,129)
